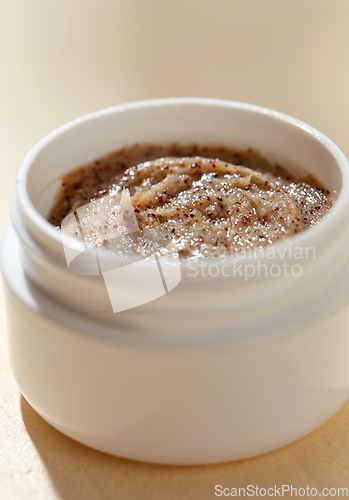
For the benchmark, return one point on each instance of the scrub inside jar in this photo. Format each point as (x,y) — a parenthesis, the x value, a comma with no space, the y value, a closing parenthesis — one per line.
(209,201)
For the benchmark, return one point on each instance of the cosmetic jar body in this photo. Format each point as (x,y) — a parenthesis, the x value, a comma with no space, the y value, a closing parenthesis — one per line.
(242,357)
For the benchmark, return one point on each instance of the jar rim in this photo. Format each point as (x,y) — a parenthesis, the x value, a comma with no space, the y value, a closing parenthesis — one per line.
(48,231)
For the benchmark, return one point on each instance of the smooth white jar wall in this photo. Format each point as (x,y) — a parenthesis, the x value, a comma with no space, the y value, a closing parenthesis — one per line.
(178,406)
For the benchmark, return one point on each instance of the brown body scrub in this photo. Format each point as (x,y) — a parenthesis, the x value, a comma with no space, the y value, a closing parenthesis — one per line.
(212,201)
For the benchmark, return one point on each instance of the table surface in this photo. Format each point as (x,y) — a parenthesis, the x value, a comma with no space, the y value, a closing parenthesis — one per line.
(60,60)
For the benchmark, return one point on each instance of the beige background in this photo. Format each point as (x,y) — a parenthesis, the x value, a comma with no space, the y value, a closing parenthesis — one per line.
(61,59)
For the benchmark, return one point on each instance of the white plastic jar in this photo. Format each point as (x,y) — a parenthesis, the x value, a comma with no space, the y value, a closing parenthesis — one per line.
(232,362)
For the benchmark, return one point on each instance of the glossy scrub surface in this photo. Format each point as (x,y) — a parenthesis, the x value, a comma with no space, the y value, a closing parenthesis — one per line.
(210,201)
